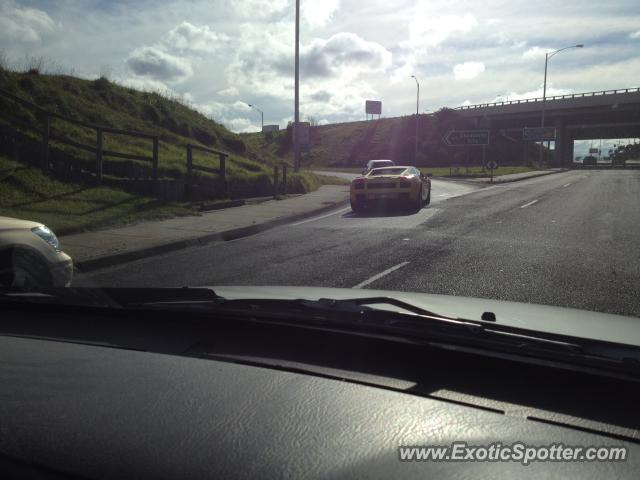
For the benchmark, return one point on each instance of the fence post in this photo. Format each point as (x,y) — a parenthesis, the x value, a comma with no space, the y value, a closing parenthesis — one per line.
(154,171)
(189,164)
(275,180)
(223,168)
(45,142)
(284,177)
(99,135)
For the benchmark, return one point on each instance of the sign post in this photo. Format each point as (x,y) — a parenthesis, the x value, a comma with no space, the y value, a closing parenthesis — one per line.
(492,166)
(373,107)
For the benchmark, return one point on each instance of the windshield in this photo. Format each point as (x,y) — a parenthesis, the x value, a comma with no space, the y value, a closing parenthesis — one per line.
(380,164)
(387,171)
(173,144)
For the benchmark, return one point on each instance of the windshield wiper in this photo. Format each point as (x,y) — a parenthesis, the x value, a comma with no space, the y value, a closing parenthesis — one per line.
(366,316)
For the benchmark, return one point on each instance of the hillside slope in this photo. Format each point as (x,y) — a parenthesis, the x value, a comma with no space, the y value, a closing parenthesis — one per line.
(351,145)
(104,103)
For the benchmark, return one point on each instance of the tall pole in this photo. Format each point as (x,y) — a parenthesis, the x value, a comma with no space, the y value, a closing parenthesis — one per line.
(261,116)
(296,115)
(544,103)
(415,157)
(547,56)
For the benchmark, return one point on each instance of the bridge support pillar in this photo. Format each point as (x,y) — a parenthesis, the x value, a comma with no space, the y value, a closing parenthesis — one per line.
(563,144)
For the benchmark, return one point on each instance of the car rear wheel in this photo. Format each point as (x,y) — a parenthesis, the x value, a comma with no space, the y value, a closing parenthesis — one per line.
(428,200)
(418,203)
(357,207)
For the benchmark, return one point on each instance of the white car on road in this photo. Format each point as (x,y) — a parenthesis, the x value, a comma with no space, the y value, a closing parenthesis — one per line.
(30,256)
(371,164)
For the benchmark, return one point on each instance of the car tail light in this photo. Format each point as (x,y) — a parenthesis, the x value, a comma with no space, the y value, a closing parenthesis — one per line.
(358,183)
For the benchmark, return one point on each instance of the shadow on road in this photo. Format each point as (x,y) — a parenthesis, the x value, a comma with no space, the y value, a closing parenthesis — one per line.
(382,212)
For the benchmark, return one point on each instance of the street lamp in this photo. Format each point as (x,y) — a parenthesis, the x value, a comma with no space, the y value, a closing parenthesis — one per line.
(296,108)
(415,158)
(547,56)
(261,116)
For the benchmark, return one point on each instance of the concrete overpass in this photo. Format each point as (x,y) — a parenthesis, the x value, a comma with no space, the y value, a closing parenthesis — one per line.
(580,116)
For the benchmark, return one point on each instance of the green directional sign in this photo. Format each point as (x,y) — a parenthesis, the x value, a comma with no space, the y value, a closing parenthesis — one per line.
(461,138)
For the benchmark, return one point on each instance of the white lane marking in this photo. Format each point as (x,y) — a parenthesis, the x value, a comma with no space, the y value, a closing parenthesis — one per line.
(380,275)
(321,217)
(566,185)
(527,204)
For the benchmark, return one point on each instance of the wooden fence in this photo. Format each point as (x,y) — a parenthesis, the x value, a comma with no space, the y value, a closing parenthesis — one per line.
(47,136)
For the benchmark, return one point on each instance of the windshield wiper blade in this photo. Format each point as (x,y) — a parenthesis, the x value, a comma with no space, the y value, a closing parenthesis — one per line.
(110,297)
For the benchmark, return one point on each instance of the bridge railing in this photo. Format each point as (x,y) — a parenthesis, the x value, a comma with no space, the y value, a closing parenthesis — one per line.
(555,97)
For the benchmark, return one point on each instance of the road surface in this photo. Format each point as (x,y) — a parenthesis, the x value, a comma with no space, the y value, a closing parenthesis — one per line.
(568,239)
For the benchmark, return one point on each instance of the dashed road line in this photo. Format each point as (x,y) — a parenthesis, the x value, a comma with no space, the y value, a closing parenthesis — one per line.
(380,275)
(528,204)
(321,217)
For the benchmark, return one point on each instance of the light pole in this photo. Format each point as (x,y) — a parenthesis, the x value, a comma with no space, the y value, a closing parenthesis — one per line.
(261,116)
(547,56)
(415,158)
(296,115)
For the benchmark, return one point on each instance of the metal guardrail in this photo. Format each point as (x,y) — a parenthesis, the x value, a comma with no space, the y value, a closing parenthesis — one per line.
(555,97)
(46,116)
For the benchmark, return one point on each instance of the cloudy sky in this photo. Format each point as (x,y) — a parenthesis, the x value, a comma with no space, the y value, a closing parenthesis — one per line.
(222,54)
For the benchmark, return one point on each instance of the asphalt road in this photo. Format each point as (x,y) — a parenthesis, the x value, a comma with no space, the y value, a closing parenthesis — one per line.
(568,239)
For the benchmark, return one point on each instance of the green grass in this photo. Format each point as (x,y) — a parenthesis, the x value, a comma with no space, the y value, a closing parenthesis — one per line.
(331,180)
(27,193)
(108,104)
(460,172)
(474,171)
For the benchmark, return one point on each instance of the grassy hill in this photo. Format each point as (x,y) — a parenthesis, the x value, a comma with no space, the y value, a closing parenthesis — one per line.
(25,192)
(105,103)
(351,145)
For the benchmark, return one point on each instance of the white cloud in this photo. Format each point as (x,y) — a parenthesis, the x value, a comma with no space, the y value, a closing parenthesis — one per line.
(468,70)
(240,106)
(229,92)
(187,36)
(241,125)
(317,13)
(159,65)
(343,54)
(635,35)
(143,83)
(427,31)
(534,52)
(26,25)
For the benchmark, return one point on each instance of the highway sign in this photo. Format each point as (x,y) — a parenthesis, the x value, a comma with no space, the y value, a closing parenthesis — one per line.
(594,150)
(462,138)
(373,107)
(538,134)
(301,131)
(492,165)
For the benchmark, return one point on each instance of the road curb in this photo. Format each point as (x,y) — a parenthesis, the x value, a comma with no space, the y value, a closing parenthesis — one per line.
(495,179)
(233,234)
(541,174)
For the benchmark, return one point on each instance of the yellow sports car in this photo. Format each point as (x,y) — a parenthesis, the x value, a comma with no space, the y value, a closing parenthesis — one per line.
(391,185)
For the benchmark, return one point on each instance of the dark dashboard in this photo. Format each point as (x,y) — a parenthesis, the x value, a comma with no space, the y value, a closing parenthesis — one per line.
(96,394)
